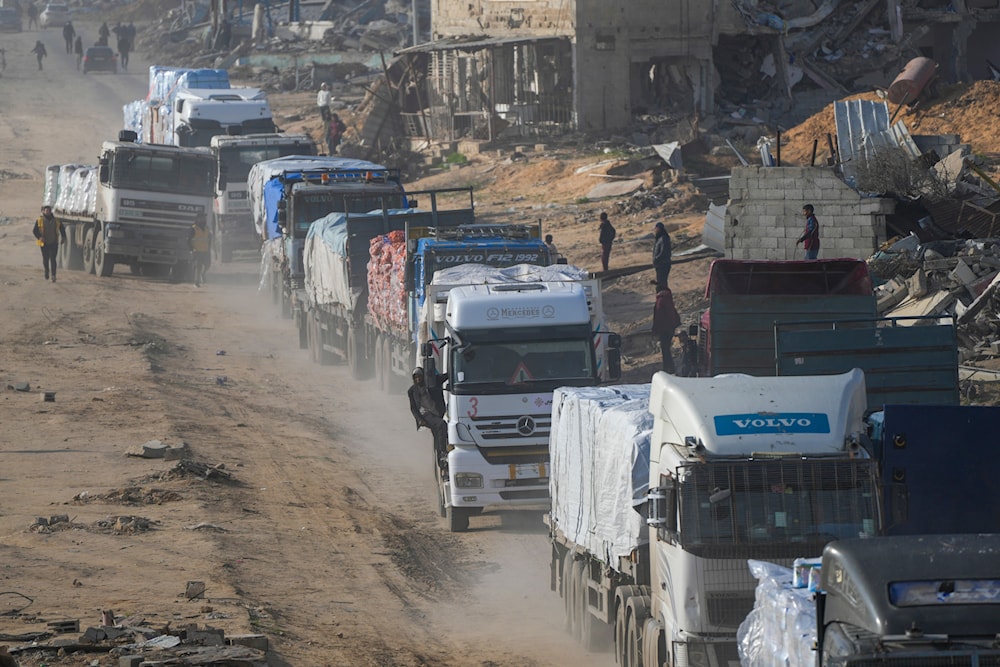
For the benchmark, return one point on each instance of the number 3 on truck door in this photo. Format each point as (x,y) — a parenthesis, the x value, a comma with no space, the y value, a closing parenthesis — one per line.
(474,402)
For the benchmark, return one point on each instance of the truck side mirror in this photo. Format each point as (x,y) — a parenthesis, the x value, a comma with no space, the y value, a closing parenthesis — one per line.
(426,350)
(103,172)
(614,363)
(222,177)
(430,372)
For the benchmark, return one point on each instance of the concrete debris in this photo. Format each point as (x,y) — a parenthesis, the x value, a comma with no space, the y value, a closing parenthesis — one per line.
(157,449)
(955,279)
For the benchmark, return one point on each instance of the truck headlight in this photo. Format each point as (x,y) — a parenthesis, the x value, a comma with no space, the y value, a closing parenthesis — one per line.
(468,480)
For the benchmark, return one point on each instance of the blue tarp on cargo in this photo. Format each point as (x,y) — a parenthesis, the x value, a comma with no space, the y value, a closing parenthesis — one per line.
(332,228)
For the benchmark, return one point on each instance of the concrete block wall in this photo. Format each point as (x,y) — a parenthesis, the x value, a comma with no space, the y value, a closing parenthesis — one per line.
(764,217)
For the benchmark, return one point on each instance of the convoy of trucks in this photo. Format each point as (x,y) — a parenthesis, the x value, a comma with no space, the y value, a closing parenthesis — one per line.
(477,304)
(232,225)
(288,194)
(722,470)
(136,207)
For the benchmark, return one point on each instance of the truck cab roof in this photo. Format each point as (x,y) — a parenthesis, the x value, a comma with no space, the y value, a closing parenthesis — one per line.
(809,415)
(516,305)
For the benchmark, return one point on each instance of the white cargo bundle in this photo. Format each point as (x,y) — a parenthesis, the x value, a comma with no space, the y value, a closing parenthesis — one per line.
(599,449)
(481,274)
(781,628)
(74,191)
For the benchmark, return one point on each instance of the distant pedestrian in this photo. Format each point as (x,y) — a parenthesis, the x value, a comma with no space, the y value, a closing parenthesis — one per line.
(334,133)
(32,13)
(665,322)
(554,255)
(606,238)
(810,237)
(103,33)
(323,98)
(39,52)
(124,48)
(662,250)
(78,50)
(69,32)
(200,241)
(47,232)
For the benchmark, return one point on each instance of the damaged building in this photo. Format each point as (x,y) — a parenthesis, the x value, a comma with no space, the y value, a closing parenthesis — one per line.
(537,67)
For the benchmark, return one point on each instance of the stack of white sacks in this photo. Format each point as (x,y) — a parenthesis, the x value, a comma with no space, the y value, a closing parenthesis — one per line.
(71,189)
(780,631)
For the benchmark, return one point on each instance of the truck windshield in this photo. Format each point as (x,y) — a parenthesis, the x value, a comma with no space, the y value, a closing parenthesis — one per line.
(757,506)
(236,161)
(319,202)
(180,174)
(506,364)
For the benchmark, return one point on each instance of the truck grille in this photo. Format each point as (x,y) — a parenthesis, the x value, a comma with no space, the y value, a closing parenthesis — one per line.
(729,609)
(513,427)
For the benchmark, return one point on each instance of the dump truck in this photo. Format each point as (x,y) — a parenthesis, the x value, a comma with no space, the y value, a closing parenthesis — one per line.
(897,600)
(135,207)
(478,303)
(662,492)
(232,225)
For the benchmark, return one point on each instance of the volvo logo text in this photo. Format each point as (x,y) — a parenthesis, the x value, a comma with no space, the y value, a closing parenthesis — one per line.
(525,425)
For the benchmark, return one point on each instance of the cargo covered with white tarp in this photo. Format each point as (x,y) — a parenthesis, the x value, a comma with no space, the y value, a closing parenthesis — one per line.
(599,449)
(71,189)
(781,628)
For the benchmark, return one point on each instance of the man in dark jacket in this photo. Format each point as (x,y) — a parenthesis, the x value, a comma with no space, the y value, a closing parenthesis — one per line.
(427,407)
(47,232)
(606,238)
(665,321)
(661,254)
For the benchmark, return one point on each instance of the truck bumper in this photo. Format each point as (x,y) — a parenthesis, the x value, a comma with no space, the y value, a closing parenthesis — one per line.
(472,482)
(150,246)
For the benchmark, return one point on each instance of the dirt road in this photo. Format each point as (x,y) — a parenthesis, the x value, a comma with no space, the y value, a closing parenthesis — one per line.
(325,538)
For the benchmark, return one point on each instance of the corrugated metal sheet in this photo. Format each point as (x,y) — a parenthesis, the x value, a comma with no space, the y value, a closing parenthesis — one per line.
(862,130)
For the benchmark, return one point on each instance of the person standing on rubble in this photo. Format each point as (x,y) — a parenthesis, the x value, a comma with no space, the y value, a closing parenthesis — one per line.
(810,237)
(665,322)
(323,98)
(606,237)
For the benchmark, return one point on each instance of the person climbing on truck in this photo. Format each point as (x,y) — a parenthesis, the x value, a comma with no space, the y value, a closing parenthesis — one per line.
(48,231)
(427,406)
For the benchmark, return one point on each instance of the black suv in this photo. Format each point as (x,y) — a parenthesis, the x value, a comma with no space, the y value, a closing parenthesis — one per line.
(100,59)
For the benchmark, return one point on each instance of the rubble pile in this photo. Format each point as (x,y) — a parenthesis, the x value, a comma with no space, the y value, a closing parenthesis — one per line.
(959,279)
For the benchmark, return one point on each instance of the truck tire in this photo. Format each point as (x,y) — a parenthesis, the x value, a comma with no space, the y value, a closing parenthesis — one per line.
(458,519)
(69,255)
(622,596)
(439,479)
(594,634)
(324,356)
(574,603)
(104,266)
(88,250)
(568,586)
(636,613)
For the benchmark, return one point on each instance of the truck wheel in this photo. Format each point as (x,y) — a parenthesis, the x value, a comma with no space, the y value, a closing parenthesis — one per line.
(439,478)
(568,584)
(572,601)
(72,257)
(636,613)
(104,266)
(302,324)
(458,519)
(593,633)
(88,251)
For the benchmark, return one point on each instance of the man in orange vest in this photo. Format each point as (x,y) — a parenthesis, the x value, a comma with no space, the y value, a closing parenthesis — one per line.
(47,233)
(200,241)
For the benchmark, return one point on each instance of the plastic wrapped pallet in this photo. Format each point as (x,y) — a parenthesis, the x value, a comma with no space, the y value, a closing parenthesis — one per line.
(51,193)
(780,630)
(599,450)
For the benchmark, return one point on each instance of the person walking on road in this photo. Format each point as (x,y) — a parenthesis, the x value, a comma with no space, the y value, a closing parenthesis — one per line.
(32,13)
(69,32)
(200,241)
(334,133)
(39,52)
(665,322)
(124,48)
(48,231)
(78,50)
(662,250)
(606,238)
(323,99)
(427,406)
(810,237)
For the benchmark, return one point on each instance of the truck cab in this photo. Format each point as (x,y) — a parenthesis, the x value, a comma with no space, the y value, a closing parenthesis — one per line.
(233,224)
(198,114)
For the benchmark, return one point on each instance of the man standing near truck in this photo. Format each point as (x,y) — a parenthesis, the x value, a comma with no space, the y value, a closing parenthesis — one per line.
(47,233)
(810,237)
(662,251)
(200,241)
(427,406)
